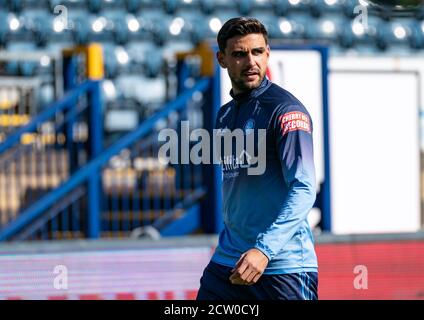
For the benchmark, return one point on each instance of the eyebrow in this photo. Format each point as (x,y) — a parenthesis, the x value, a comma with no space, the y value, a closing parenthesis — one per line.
(242,50)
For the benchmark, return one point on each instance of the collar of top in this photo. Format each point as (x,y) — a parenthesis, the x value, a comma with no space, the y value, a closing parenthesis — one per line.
(253,93)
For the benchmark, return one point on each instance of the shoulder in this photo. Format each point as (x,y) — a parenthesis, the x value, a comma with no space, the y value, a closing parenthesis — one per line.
(280,102)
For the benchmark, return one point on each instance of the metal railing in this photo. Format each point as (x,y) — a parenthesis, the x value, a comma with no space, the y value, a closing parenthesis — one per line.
(39,156)
(111,192)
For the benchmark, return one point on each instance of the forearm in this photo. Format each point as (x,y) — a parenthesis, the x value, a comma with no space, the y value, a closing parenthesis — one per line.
(294,211)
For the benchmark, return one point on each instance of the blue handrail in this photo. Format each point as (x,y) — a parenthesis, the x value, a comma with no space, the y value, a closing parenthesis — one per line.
(56,107)
(84,173)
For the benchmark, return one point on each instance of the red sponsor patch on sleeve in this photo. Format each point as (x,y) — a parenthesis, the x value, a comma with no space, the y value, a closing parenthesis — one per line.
(295,120)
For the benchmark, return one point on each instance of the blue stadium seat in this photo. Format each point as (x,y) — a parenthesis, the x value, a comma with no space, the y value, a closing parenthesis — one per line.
(383,36)
(4,29)
(15,5)
(298,6)
(302,26)
(28,68)
(81,30)
(328,28)
(222,6)
(153,64)
(170,6)
(267,5)
(153,23)
(24,46)
(281,7)
(120,30)
(197,28)
(46,95)
(404,32)
(348,8)
(41,29)
(375,33)
(221,15)
(94,6)
(347,36)
(320,7)
(416,39)
(15,67)
(179,29)
(132,6)
(12,68)
(137,50)
(270,22)
(207,6)
(111,64)
(159,34)
(419,13)
(173,47)
(244,7)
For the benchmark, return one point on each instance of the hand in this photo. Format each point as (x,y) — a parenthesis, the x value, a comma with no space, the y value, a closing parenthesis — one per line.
(249,267)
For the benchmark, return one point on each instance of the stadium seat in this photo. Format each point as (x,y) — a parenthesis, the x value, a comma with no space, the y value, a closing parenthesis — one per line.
(12,68)
(419,14)
(207,6)
(244,7)
(416,39)
(132,6)
(298,6)
(41,30)
(153,64)
(348,8)
(159,33)
(15,5)
(81,30)
(27,68)
(398,31)
(328,28)
(271,24)
(281,7)
(170,6)
(3,29)
(320,7)
(94,6)
(111,64)
(302,26)
(120,30)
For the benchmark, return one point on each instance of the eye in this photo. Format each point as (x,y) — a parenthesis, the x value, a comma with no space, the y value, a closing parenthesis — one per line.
(238,54)
(258,52)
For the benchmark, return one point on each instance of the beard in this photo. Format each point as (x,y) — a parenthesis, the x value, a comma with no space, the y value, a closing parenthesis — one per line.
(242,84)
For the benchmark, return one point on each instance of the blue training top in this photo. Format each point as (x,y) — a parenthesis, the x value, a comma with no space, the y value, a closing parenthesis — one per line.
(269,211)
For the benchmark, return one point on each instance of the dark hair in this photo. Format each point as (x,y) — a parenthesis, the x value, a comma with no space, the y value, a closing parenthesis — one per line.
(239,27)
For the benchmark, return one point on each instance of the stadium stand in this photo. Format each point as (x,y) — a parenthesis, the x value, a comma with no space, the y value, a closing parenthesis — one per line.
(85,88)
(140,40)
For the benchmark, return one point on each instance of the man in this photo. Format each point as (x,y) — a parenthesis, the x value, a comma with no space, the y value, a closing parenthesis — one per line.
(266,249)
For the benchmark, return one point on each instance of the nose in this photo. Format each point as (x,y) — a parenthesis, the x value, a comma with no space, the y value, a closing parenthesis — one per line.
(250,60)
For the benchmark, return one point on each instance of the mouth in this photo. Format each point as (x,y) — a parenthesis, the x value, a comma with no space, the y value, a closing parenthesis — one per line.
(251,75)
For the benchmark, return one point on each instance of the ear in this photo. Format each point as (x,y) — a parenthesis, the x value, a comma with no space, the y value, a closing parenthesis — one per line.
(220,58)
(268,50)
